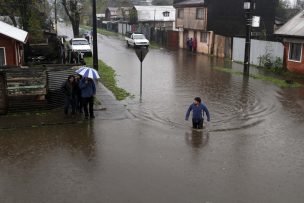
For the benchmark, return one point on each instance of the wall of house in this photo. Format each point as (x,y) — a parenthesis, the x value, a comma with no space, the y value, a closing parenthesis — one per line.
(222,46)
(11,48)
(226,17)
(202,47)
(293,66)
(189,20)
(181,40)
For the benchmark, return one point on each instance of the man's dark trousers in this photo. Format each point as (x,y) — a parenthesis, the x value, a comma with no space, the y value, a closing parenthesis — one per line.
(88,101)
(197,123)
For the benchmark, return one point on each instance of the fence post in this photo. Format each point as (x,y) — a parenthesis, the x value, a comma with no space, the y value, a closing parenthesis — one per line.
(3,94)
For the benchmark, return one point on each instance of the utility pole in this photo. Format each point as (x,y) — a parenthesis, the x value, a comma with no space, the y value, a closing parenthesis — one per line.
(248,7)
(95,49)
(56,16)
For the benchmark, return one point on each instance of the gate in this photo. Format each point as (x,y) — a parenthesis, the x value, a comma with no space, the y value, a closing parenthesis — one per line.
(3,94)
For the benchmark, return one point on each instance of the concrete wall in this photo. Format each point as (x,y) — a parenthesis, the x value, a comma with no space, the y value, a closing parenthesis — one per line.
(258,48)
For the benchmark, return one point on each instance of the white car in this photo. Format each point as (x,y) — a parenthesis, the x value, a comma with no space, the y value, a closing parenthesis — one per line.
(80,45)
(136,40)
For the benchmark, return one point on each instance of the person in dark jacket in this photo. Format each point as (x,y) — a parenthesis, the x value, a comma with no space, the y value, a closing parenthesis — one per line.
(88,91)
(198,109)
(78,100)
(190,44)
(194,44)
(69,90)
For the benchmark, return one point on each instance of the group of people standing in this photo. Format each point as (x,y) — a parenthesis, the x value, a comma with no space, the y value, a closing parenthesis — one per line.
(191,44)
(79,95)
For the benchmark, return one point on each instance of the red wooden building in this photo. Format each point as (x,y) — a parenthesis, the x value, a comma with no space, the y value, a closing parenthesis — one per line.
(11,45)
(293,38)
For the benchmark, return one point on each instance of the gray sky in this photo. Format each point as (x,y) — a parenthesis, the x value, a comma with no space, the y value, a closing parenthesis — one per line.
(292,2)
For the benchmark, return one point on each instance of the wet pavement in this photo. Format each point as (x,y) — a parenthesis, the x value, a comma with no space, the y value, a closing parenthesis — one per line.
(133,151)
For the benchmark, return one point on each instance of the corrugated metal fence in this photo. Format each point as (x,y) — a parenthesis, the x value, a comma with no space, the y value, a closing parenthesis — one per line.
(32,88)
(259,48)
(56,78)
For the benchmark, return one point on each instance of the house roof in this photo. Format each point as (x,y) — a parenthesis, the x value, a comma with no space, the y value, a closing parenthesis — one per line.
(114,11)
(294,27)
(154,13)
(13,32)
(189,3)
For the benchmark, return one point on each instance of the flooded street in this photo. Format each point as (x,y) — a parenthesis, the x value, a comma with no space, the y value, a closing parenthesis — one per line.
(251,151)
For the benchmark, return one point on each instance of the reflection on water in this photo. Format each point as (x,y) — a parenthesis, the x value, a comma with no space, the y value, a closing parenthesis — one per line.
(197,138)
(33,145)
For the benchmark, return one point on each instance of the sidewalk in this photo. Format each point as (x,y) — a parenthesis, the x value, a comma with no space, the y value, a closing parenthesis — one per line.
(110,109)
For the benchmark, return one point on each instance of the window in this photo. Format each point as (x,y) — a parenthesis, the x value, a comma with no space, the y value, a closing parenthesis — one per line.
(180,13)
(295,52)
(166,14)
(204,37)
(2,56)
(200,13)
(80,42)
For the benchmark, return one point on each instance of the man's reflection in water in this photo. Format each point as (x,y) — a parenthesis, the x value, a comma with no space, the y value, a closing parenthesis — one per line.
(197,138)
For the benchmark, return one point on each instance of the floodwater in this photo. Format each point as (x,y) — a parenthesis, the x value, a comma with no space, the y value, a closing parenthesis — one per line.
(251,151)
(171,79)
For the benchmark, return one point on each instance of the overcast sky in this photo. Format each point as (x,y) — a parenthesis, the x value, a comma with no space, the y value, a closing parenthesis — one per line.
(292,2)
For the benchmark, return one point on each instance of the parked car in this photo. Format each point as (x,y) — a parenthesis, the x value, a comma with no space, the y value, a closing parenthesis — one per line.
(80,45)
(136,40)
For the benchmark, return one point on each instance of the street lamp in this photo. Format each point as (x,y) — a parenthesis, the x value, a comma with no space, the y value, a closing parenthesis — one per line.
(248,8)
(95,50)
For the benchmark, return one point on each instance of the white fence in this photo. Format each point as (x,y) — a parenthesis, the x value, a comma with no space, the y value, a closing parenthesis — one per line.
(259,48)
(123,28)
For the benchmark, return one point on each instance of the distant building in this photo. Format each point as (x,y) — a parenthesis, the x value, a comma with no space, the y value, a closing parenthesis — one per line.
(292,33)
(213,23)
(191,20)
(113,13)
(155,16)
(11,45)
(148,19)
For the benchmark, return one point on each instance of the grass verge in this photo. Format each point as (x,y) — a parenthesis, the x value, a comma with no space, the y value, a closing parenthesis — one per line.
(101,31)
(154,45)
(108,79)
(276,81)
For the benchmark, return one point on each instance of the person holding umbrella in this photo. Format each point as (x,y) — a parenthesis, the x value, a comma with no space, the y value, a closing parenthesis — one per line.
(88,89)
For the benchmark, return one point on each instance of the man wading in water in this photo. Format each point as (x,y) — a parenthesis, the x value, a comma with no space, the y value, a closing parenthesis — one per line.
(198,108)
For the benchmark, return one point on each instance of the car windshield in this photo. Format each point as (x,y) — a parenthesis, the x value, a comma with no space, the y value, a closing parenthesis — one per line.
(139,37)
(80,42)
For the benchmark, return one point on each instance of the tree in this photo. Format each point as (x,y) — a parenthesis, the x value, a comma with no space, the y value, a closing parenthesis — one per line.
(7,8)
(73,9)
(300,4)
(162,2)
(281,9)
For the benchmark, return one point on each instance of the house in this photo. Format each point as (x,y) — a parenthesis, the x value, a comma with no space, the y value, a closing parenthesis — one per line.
(113,13)
(154,16)
(191,20)
(292,33)
(149,19)
(214,23)
(12,40)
